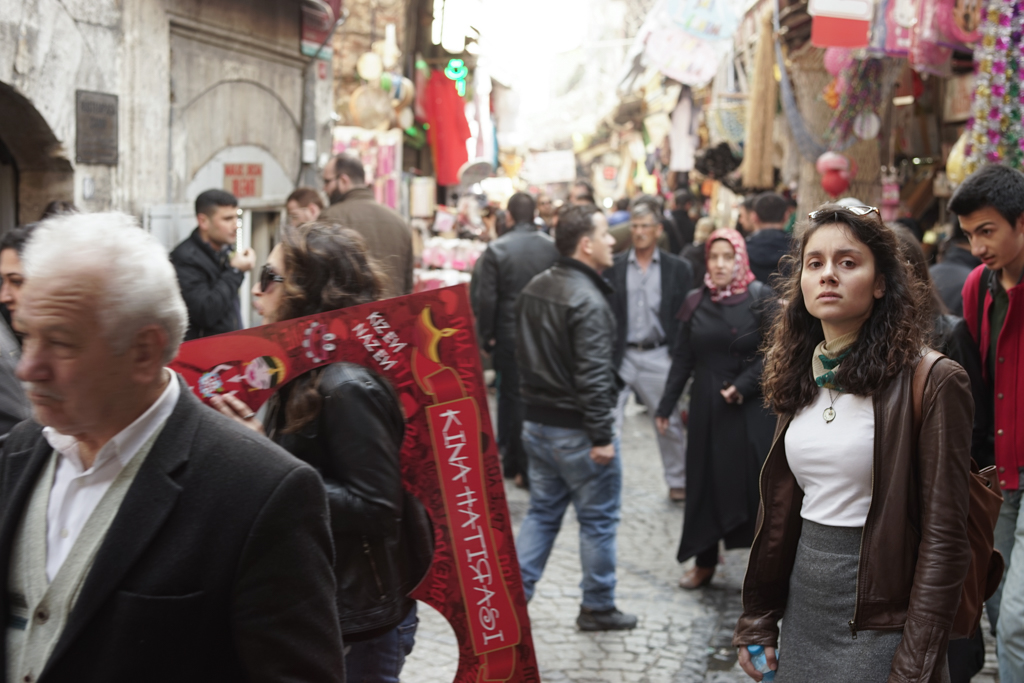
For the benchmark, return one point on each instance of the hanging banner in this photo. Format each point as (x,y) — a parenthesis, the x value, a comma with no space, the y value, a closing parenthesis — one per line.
(425,345)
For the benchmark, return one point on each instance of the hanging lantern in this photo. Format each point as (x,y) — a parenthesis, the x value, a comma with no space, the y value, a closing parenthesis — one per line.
(835,182)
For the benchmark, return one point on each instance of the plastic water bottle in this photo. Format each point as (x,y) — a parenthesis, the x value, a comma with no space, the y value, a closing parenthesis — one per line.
(760,661)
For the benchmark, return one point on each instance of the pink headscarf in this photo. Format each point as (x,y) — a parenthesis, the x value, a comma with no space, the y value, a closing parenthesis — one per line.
(741,275)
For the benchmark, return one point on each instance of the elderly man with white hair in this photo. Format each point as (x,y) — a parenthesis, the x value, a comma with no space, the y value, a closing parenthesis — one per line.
(145,537)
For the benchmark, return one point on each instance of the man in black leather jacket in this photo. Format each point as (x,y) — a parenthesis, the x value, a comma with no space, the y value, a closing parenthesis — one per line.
(569,387)
(509,263)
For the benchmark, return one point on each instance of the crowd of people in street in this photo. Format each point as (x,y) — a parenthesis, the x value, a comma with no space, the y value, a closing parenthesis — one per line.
(783,364)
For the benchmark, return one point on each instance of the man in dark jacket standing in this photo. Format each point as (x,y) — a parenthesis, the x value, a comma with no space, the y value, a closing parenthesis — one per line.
(507,265)
(388,238)
(564,348)
(770,242)
(209,273)
(650,288)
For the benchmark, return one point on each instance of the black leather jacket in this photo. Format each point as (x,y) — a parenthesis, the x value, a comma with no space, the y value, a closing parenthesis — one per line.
(564,344)
(509,263)
(209,286)
(379,530)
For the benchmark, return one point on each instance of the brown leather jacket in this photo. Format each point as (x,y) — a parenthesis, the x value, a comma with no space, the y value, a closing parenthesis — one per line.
(914,549)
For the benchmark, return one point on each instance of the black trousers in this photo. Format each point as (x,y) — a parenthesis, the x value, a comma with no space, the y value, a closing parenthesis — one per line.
(510,416)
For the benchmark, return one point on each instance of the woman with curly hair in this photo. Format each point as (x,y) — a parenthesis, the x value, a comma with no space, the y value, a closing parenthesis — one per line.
(861,546)
(345,420)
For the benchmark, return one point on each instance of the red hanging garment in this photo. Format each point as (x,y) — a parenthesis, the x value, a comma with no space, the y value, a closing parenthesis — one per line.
(449,130)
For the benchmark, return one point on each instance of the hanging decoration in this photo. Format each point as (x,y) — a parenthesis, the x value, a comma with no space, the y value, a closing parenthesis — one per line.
(836,172)
(859,100)
(995,129)
(957,160)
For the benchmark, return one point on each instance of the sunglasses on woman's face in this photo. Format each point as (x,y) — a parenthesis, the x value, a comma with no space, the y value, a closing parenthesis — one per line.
(855,210)
(268,276)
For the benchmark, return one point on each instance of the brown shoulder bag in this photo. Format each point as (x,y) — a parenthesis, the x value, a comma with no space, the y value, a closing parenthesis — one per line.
(986,568)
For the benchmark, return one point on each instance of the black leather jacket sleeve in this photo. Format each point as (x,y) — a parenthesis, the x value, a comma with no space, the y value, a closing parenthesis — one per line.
(362,427)
(683,364)
(592,340)
(208,304)
(484,290)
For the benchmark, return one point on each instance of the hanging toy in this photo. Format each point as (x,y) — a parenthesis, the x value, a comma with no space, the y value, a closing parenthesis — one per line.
(836,172)
(831,94)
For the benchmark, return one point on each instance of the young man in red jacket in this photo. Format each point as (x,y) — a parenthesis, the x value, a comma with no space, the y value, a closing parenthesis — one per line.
(990,204)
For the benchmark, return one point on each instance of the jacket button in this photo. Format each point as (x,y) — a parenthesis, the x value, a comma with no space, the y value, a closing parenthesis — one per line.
(999,432)
(42,616)
(1002,482)
(1001,359)
(1001,470)
(999,395)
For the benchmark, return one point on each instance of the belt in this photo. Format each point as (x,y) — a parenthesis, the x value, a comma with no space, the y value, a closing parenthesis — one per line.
(646,346)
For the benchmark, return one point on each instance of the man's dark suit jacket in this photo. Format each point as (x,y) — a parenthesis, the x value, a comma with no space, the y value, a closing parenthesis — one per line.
(676,281)
(217,567)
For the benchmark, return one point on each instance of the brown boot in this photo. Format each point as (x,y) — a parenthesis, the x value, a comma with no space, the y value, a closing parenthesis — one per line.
(698,577)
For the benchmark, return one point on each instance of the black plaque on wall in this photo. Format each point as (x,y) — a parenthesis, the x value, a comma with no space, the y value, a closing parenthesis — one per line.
(96,128)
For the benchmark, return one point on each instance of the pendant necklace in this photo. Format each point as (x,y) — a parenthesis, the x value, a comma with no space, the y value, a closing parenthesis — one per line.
(830,412)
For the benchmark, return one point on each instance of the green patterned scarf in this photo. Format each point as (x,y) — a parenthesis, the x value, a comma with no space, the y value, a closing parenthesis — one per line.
(827,357)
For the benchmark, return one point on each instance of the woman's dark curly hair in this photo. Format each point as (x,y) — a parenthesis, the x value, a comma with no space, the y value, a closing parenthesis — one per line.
(889,342)
(326,267)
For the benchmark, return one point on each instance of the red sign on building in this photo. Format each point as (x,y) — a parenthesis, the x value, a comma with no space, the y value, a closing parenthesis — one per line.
(244,180)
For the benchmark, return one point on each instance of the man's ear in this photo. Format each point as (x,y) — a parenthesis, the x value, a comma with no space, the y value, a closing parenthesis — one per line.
(147,351)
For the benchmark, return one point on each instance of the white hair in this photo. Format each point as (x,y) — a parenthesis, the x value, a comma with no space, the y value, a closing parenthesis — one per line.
(139,285)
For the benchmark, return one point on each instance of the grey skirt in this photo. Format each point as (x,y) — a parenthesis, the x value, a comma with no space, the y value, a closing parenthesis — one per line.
(815,643)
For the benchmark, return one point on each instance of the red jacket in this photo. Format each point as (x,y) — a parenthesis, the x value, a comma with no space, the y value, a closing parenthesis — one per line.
(1008,384)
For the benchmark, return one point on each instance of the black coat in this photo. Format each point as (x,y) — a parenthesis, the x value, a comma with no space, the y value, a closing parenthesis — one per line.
(564,350)
(676,282)
(354,444)
(215,569)
(765,249)
(727,444)
(209,286)
(504,269)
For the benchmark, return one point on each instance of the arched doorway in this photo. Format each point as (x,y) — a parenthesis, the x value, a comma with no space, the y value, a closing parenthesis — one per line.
(33,167)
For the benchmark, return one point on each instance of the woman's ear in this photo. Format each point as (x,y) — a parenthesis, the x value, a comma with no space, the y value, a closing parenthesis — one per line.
(879,286)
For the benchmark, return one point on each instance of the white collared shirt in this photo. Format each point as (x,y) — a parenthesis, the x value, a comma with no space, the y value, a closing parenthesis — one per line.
(76,492)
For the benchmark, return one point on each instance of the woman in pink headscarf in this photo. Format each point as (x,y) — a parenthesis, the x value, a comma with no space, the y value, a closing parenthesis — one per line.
(729,429)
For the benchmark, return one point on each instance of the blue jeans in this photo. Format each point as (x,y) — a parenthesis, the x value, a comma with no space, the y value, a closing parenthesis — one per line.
(561,472)
(1006,606)
(380,659)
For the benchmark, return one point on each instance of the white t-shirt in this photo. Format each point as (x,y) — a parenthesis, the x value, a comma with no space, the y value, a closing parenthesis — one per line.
(832,461)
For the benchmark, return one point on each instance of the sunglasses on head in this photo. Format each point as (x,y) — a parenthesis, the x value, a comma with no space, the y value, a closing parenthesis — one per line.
(268,276)
(855,210)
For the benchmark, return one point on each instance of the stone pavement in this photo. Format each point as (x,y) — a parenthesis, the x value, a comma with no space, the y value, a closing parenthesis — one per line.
(682,636)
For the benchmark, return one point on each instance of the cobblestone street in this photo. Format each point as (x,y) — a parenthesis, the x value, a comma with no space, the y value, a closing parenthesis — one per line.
(682,637)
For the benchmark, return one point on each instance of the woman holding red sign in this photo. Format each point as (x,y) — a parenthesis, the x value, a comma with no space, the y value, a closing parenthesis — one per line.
(346,421)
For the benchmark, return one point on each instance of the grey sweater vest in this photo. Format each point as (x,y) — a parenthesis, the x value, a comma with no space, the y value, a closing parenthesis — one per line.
(40,610)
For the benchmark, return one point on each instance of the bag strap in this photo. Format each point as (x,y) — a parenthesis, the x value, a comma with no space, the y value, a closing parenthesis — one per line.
(924,368)
(983,286)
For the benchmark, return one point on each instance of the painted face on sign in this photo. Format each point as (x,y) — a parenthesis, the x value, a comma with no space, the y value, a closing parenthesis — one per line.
(264,372)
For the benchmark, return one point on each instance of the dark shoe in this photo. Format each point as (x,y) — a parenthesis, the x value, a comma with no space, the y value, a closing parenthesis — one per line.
(698,577)
(605,620)
(677,495)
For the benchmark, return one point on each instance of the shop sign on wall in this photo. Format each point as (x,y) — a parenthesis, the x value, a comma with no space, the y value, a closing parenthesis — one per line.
(318,17)
(95,128)
(244,180)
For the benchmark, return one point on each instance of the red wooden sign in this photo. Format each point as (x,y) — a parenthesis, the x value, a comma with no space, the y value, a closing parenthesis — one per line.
(425,345)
